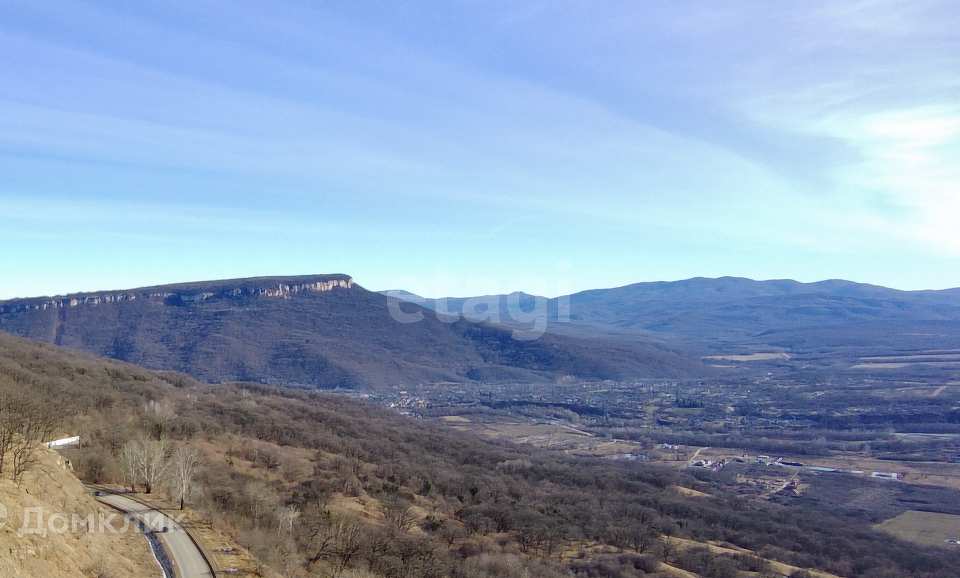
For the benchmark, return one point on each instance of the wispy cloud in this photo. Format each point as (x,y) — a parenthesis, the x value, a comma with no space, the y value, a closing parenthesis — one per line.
(720,134)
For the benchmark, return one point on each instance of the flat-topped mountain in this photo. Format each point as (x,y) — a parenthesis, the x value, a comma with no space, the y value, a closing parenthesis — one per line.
(180,293)
(315,331)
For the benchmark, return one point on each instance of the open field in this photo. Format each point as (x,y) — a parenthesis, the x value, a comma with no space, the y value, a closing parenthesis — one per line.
(917,437)
(939,356)
(924,528)
(455,419)
(902,364)
(939,359)
(751,357)
(547,436)
(718,548)
(691,492)
(574,441)
(540,435)
(914,390)
(924,473)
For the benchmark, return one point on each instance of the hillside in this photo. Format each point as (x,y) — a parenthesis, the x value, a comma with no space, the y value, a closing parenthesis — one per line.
(709,316)
(74,553)
(320,484)
(314,331)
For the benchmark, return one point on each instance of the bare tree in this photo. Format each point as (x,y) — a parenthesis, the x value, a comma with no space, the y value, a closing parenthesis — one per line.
(334,538)
(379,544)
(145,461)
(641,537)
(260,502)
(348,542)
(286,518)
(25,421)
(668,551)
(398,512)
(128,465)
(186,462)
(314,535)
(270,459)
(9,427)
(163,411)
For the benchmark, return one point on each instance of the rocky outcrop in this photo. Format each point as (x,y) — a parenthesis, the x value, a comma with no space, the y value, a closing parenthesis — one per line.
(187,293)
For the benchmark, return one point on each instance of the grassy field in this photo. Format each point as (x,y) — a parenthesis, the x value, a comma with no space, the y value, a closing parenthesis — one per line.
(924,528)
(944,356)
(901,365)
(928,359)
(691,492)
(752,357)
(911,472)
(554,437)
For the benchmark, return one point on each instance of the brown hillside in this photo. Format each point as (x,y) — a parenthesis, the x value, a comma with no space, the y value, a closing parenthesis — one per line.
(82,554)
(314,484)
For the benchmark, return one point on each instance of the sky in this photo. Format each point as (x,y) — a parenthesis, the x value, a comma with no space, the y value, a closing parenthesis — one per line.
(467,147)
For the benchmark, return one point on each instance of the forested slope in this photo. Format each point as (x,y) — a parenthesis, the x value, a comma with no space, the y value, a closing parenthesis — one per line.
(320,483)
(317,332)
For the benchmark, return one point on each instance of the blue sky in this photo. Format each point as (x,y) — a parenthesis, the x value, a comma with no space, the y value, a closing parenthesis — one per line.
(543,146)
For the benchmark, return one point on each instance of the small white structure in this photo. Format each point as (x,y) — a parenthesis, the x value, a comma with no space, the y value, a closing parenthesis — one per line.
(63,443)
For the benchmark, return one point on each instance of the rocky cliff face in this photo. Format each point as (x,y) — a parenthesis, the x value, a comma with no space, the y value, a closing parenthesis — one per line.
(186,293)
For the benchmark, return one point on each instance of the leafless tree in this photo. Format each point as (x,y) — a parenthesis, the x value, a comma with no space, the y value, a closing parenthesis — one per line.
(379,544)
(398,512)
(286,518)
(334,538)
(163,411)
(128,465)
(186,462)
(668,551)
(641,537)
(145,461)
(9,427)
(25,421)
(348,542)
(270,459)
(261,502)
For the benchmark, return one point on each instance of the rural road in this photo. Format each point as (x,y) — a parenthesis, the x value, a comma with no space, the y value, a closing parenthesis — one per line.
(186,557)
(786,483)
(695,454)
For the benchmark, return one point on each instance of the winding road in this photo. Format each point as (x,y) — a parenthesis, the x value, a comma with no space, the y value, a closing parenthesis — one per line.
(187,558)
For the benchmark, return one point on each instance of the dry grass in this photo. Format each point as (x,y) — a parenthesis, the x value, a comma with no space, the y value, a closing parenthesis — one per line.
(81,553)
(691,492)
(924,528)
(899,365)
(752,357)
(909,358)
(785,569)
(911,472)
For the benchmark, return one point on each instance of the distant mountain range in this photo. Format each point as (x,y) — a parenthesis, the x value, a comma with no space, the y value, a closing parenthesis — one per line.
(728,315)
(316,331)
(325,331)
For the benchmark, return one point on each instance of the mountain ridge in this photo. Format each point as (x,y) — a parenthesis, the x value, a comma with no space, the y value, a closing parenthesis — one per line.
(319,331)
(708,315)
(271,286)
